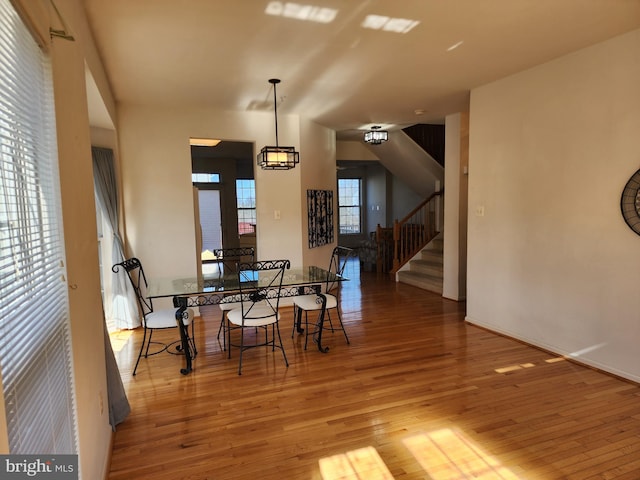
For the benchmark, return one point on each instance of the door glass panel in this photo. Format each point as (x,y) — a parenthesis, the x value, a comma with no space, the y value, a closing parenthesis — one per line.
(211,224)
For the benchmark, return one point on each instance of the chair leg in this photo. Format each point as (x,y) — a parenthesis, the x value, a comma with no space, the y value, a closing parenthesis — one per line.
(344,330)
(223,329)
(228,342)
(295,319)
(277,327)
(146,353)
(193,337)
(144,338)
(241,350)
(306,328)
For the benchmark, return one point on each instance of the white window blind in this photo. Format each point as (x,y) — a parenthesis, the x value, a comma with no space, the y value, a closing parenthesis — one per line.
(35,356)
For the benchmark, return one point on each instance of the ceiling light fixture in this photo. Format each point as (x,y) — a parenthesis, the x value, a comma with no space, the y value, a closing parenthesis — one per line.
(375,136)
(277,158)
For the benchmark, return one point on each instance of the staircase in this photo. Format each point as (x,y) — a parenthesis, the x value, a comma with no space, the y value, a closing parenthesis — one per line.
(425,269)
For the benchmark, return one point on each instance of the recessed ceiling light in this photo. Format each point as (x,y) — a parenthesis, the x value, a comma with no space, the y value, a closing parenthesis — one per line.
(419,111)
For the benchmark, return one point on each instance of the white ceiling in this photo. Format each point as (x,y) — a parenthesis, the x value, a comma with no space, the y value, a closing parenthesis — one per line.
(220,54)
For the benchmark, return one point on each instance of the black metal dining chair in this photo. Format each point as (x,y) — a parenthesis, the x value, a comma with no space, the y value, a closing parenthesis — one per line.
(313,303)
(227,264)
(260,287)
(154,319)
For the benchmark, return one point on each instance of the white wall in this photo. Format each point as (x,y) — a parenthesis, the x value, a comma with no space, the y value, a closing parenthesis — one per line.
(552,261)
(455,206)
(353,150)
(156,167)
(318,172)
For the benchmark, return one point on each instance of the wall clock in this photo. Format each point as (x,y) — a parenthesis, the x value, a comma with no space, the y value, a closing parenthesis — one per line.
(630,202)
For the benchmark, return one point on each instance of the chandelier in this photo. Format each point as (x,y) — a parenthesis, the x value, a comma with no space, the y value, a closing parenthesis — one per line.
(277,157)
(375,136)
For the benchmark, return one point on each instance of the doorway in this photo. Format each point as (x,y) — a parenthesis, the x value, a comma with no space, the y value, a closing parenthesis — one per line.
(224,198)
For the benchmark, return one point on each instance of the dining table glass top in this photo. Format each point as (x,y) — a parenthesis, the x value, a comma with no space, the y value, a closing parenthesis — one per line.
(225,283)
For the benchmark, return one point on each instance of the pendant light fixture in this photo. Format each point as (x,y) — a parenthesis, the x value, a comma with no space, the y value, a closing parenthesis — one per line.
(375,136)
(277,158)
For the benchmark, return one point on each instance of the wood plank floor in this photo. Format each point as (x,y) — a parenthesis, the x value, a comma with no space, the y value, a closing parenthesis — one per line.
(419,394)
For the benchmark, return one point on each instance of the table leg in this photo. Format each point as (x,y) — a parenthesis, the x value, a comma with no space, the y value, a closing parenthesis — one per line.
(298,320)
(320,325)
(181,304)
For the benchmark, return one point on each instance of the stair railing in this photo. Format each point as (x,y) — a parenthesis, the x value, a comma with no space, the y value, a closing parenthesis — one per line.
(384,249)
(416,230)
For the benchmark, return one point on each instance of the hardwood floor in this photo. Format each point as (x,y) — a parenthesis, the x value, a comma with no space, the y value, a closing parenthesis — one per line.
(419,394)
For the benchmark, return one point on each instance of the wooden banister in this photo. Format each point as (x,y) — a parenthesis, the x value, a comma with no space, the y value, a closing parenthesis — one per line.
(396,245)
(415,230)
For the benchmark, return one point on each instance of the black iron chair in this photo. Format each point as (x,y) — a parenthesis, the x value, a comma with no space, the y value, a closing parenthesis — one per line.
(309,303)
(227,260)
(260,287)
(154,319)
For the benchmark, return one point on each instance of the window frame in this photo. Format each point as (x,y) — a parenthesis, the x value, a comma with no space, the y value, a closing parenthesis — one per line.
(342,206)
(246,209)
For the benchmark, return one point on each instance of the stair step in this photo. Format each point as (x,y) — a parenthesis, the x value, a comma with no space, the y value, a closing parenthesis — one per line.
(433,256)
(436,244)
(420,280)
(428,267)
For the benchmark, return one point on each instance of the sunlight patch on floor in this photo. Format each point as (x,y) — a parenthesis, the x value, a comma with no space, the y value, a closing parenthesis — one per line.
(512,368)
(448,455)
(444,454)
(556,359)
(119,339)
(362,464)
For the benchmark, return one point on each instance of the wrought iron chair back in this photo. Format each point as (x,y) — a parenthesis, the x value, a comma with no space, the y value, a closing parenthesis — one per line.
(261,283)
(138,280)
(337,264)
(228,258)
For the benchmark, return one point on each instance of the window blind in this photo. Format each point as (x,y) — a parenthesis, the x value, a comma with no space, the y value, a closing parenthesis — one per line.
(35,355)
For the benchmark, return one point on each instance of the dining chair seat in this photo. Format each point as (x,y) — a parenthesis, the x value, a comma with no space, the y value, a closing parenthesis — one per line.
(162,319)
(314,302)
(259,316)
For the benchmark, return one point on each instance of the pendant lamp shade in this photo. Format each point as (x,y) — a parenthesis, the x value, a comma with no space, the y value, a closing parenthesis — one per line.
(277,157)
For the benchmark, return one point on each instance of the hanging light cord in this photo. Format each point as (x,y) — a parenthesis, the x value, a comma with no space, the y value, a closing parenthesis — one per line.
(275,81)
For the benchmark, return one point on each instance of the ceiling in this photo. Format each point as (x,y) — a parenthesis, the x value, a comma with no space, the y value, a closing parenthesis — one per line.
(346,65)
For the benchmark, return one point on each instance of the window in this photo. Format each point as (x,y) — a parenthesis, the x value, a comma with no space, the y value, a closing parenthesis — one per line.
(205,178)
(246,204)
(35,345)
(349,205)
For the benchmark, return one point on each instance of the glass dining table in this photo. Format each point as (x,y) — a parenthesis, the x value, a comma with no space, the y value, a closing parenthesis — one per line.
(214,288)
